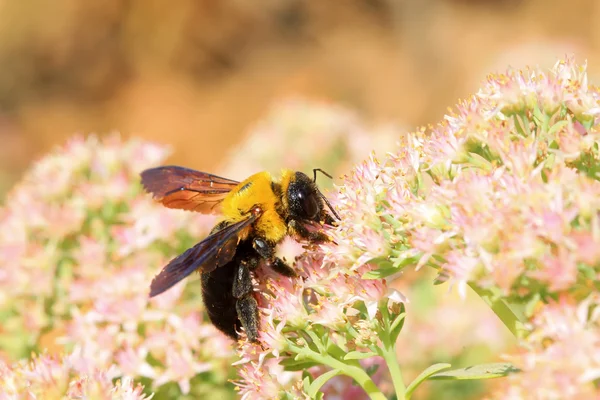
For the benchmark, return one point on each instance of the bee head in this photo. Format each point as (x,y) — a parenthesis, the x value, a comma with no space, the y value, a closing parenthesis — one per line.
(304,199)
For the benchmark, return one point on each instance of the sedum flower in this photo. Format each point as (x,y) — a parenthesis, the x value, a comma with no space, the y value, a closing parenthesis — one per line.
(74,275)
(67,377)
(317,310)
(508,209)
(559,358)
(502,196)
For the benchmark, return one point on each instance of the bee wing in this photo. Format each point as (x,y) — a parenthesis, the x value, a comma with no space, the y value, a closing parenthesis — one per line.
(187,189)
(213,252)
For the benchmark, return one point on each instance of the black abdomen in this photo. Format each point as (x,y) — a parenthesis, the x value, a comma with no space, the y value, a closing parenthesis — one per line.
(217,292)
(218,298)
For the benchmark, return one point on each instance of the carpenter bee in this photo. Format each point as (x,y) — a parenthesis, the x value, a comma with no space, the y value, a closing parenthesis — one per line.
(257,214)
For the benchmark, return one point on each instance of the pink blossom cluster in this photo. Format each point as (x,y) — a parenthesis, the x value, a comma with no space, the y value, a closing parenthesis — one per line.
(80,243)
(68,377)
(314,310)
(560,359)
(502,195)
(513,195)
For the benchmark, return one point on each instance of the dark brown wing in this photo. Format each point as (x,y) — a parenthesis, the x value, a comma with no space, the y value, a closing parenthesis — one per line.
(213,252)
(187,189)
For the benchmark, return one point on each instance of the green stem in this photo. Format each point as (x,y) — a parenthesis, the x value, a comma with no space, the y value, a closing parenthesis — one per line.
(389,355)
(353,371)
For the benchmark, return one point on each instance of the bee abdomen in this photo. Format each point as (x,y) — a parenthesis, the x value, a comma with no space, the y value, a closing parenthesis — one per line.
(218,298)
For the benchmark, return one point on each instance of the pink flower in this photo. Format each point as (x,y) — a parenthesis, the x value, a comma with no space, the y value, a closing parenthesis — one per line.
(84,244)
(586,246)
(489,197)
(266,381)
(63,377)
(327,299)
(559,359)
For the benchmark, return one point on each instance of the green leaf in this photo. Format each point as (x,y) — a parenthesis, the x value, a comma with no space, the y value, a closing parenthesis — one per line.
(587,271)
(380,273)
(522,124)
(586,120)
(540,118)
(306,382)
(423,376)
(401,262)
(307,375)
(397,325)
(283,395)
(557,126)
(509,314)
(481,371)
(382,262)
(334,350)
(372,369)
(479,161)
(390,219)
(316,385)
(290,364)
(532,304)
(359,355)
(316,340)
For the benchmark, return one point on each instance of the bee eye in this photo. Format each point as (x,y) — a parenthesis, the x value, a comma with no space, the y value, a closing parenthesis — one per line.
(309,205)
(304,205)
(303,198)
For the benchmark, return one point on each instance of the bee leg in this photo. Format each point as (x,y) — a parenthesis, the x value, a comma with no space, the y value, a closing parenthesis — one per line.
(247,310)
(267,251)
(246,305)
(300,230)
(251,262)
(281,267)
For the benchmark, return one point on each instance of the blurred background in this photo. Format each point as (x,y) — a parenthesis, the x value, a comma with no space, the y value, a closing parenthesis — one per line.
(200,74)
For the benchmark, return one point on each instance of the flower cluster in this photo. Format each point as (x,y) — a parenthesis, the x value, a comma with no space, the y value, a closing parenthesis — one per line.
(80,243)
(514,193)
(69,377)
(559,359)
(501,193)
(327,315)
(502,196)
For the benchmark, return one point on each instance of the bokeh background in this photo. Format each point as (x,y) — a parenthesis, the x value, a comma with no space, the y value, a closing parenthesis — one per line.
(199,74)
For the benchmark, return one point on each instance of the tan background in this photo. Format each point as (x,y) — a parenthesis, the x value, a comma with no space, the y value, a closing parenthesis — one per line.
(198,74)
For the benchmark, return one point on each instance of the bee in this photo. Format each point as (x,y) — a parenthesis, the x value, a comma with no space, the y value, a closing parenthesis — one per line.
(257,214)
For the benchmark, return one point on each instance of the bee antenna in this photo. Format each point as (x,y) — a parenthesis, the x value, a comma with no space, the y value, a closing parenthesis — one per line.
(329,205)
(321,194)
(321,171)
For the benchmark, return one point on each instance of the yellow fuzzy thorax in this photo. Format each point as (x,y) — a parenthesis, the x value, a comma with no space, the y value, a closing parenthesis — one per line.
(257,191)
